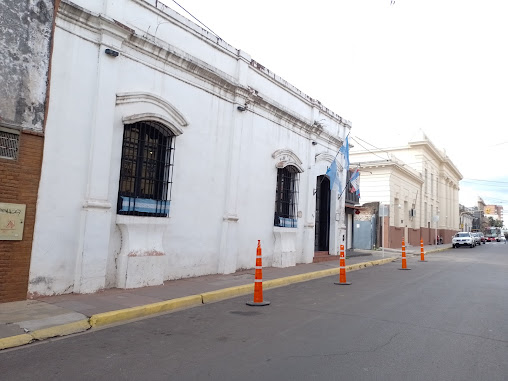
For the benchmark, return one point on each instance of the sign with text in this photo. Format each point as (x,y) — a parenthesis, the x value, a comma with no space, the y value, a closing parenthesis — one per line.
(12,220)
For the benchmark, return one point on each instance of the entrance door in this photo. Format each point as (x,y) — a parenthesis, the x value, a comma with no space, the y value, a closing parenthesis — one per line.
(322,231)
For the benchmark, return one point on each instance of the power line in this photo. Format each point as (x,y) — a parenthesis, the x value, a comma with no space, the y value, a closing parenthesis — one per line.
(191,15)
(416,162)
(488,181)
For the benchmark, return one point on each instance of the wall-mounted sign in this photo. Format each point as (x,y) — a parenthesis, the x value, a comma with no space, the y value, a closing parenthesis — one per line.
(12,220)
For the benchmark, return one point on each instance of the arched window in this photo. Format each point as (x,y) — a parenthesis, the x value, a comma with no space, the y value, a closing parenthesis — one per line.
(286,197)
(146,169)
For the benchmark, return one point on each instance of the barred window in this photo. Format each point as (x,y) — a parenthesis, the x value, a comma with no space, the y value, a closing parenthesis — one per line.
(286,197)
(146,170)
(9,144)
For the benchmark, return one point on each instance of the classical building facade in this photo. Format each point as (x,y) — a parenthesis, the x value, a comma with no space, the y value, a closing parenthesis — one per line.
(417,187)
(170,153)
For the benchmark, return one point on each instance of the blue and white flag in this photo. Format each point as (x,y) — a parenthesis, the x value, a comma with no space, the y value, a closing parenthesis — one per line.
(333,173)
(355,183)
(344,150)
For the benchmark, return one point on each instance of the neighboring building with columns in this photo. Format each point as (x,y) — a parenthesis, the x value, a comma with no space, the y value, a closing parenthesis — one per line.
(418,186)
(467,216)
(169,153)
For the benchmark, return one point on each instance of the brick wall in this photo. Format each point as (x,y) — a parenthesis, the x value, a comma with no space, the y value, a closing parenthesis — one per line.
(19,184)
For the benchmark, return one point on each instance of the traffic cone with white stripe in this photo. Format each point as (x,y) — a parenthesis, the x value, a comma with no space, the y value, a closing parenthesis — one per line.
(342,267)
(404,265)
(258,281)
(422,252)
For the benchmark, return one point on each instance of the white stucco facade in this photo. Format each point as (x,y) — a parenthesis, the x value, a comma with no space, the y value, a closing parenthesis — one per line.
(234,123)
(418,182)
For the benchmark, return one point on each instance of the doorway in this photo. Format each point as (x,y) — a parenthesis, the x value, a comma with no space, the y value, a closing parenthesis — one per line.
(322,223)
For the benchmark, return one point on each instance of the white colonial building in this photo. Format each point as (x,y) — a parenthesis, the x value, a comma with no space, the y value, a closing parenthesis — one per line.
(417,188)
(169,154)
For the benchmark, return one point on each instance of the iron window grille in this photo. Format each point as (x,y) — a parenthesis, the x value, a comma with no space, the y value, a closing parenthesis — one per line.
(9,145)
(146,170)
(286,197)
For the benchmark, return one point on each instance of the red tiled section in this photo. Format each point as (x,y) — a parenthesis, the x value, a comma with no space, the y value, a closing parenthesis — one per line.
(323,256)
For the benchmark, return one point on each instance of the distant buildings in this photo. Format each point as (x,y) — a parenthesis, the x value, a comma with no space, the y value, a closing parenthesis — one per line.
(416,187)
(494,211)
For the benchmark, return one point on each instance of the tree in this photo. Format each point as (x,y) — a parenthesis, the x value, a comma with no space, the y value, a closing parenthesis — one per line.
(495,223)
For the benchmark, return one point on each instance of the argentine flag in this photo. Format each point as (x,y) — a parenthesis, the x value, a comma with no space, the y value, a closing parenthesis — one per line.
(334,175)
(355,183)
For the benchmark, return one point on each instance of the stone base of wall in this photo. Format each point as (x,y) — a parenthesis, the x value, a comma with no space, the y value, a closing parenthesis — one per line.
(19,185)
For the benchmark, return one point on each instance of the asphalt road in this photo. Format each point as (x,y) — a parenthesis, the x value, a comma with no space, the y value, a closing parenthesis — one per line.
(446,319)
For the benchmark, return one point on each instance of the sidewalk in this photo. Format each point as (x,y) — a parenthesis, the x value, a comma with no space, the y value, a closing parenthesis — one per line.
(45,317)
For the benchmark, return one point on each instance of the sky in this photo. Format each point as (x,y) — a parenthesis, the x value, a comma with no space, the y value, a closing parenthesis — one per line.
(391,68)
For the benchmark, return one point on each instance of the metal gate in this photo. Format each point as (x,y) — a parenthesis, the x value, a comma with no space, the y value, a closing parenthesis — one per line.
(364,236)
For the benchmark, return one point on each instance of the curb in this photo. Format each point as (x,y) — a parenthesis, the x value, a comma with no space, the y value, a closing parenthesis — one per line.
(45,333)
(15,341)
(112,317)
(61,330)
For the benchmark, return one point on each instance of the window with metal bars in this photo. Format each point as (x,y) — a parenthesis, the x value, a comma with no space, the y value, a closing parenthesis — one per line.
(286,197)
(9,144)
(146,170)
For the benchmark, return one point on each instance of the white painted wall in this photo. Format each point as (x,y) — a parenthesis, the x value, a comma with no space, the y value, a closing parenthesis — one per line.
(223,193)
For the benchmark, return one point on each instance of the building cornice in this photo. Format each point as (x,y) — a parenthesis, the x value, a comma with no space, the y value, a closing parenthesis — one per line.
(402,168)
(213,80)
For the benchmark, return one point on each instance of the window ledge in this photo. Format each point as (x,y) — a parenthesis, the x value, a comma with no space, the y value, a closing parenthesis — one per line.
(141,220)
(279,229)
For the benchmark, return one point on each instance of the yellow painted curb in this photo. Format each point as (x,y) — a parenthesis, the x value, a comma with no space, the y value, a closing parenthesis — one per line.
(61,330)
(227,293)
(15,341)
(111,317)
(438,250)
(321,273)
(299,278)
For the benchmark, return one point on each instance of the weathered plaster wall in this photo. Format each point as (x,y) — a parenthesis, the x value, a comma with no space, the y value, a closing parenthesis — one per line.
(25,40)
(25,35)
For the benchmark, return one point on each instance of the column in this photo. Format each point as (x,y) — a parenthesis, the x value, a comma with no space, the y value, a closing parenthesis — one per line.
(92,257)
(228,251)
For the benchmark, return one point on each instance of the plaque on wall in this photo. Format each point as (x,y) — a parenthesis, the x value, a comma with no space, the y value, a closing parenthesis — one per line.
(12,220)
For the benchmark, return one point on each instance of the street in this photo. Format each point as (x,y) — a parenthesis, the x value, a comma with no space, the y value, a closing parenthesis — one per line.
(446,319)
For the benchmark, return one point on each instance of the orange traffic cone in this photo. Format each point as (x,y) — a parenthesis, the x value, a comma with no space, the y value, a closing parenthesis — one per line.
(342,267)
(404,266)
(258,281)
(422,252)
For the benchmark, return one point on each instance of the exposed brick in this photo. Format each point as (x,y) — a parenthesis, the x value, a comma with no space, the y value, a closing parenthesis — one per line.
(19,184)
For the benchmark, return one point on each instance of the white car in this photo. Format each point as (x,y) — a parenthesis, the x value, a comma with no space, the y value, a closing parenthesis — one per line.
(502,238)
(477,238)
(463,239)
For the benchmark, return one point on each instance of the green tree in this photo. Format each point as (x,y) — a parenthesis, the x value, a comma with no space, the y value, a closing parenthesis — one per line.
(495,223)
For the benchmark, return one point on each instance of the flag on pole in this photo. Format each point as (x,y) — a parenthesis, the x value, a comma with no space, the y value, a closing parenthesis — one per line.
(344,150)
(355,183)
(334,175)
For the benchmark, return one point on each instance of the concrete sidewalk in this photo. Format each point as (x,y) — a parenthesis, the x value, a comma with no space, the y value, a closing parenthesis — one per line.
(45,317)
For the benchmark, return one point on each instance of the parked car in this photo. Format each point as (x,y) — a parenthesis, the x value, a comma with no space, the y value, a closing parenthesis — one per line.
(477,239)
(463,239)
